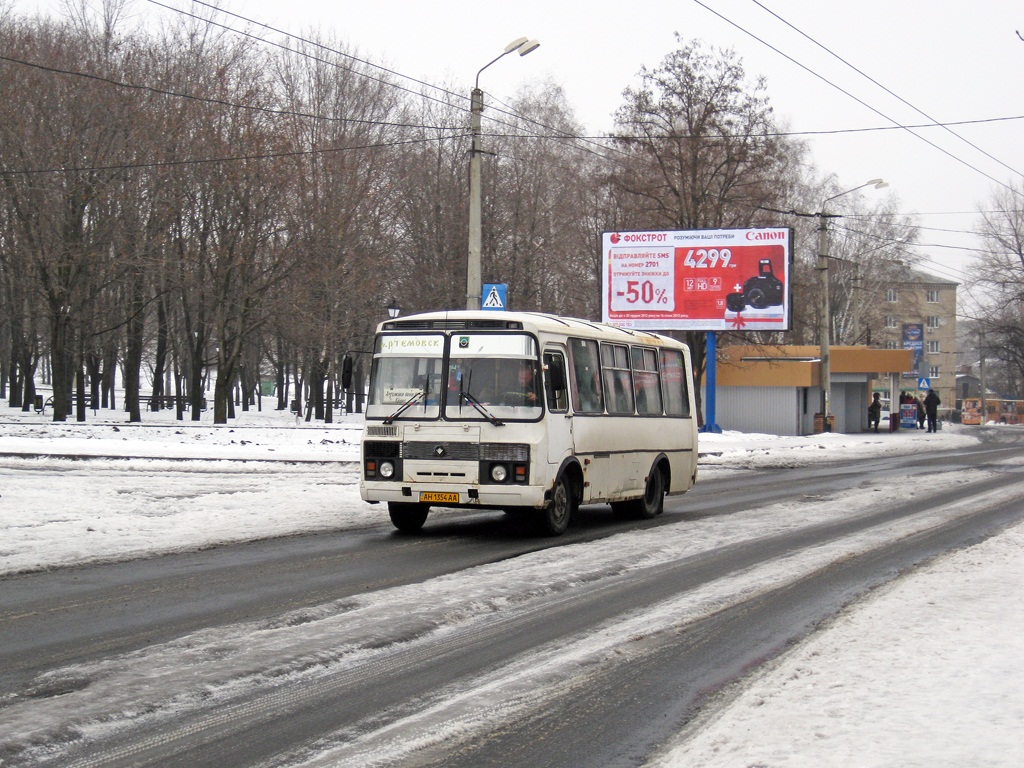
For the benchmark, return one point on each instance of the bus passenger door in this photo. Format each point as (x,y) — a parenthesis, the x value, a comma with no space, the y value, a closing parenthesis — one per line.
(556,395)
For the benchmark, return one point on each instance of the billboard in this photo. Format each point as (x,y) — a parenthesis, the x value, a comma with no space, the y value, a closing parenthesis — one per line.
(913,339)
(698,280)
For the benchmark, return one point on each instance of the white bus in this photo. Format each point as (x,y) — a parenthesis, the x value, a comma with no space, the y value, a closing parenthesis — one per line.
(525,412)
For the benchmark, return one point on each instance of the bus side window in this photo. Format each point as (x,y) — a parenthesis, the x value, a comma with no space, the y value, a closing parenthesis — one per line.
(555,383)
(646,381)
(586,376)
(674,383)
(618,385)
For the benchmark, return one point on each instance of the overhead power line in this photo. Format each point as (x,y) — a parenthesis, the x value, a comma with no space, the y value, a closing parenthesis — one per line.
(855,98)
(202,161)
(387,124)
(868,77)
(555,133)
(283,47)
(458,131)
(218,102)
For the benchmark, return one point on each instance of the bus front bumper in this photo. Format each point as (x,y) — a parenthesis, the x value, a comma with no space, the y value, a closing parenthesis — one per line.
(454,495)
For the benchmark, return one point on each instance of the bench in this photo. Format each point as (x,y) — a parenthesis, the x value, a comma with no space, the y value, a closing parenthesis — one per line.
(168,402)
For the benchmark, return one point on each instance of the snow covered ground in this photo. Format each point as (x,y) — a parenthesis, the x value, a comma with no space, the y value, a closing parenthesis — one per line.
(923,672)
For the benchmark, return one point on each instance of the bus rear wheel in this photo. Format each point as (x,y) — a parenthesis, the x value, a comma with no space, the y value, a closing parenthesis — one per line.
(554,520)
(651,504)
(408,518)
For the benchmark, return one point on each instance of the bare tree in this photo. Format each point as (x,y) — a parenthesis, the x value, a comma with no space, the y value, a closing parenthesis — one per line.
(996,306)
(63,152)
(340,228)
(430,214)
(538,204)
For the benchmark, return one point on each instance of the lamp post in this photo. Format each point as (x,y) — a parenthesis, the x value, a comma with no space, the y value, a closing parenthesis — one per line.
(394,310)
(523,46)
(825,324)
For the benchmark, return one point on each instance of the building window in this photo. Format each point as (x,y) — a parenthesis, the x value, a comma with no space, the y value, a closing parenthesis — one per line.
(933,321)
(933,347)
(892,345)
(933,372)
(891,322)
(933,297)
(891,296)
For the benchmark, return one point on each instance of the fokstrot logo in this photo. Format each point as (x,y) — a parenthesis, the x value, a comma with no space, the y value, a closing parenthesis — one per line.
(638,237)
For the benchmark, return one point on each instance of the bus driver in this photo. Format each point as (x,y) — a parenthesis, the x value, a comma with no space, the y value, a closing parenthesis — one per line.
(524,390)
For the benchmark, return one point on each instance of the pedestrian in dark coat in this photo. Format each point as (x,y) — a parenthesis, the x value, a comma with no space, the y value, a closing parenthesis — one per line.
(931,409)
(875,411)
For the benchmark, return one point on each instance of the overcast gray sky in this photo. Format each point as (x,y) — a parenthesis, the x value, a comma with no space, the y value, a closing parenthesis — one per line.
(954,61)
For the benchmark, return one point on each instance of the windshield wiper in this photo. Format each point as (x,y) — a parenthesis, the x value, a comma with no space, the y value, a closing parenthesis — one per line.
(406,405)
(465,395)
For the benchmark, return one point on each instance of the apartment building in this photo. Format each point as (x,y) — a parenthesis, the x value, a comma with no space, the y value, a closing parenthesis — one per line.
(917,311)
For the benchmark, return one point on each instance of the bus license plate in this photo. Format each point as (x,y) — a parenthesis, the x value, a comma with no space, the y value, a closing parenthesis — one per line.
(438,498)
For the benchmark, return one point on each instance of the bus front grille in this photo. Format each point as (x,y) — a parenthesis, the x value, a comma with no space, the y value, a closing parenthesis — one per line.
(442,451)
(454,451)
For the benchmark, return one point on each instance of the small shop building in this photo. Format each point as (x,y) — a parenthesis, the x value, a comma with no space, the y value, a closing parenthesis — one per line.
(777,390)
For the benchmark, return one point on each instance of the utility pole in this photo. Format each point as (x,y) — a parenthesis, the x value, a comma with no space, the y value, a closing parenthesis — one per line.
(473,271)
(824,323)
(522,46)
(981,378)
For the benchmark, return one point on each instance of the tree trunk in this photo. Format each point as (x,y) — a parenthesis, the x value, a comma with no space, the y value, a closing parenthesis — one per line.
(59,361)
(160,357)
(80,382)
(134,346)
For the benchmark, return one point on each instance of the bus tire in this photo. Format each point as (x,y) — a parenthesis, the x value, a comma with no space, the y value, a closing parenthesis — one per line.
(650,505)
(554,520)
(408,518)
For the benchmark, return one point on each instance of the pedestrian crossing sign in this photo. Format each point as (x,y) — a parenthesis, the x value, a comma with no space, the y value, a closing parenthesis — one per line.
(494,296)
(923,383)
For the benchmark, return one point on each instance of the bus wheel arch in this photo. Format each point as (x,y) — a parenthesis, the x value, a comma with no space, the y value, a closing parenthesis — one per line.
(565,496)
(652,502)
(663,465)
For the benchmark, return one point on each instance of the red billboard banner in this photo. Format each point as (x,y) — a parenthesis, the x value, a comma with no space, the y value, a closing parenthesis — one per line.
(703,280)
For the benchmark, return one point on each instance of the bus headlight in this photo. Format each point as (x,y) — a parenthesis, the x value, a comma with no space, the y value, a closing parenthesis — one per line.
(499,473)
(387,470)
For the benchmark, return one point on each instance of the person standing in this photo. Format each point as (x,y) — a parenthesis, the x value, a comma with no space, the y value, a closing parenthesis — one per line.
(919,403)
(931,409)
(875,411)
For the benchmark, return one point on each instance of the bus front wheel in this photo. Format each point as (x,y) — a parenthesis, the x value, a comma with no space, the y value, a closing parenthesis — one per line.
(555,518)
(408,518)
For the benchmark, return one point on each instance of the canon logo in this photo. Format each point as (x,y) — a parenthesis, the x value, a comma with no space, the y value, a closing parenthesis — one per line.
(773,234)
(639,237)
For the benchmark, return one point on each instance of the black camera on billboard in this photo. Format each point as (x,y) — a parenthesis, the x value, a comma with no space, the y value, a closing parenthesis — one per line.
(762,290)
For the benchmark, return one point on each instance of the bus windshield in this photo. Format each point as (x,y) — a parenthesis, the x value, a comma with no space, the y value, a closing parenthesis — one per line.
(406,379)
(481,376)
(499,372)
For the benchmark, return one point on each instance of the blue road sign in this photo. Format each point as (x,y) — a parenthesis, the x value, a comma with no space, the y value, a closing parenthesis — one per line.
(495,296)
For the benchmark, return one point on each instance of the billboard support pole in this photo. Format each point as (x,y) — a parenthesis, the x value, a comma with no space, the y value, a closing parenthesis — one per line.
(710,376)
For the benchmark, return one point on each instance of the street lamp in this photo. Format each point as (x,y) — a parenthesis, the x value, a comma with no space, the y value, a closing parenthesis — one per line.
(394,310)
(825,325)
(523,46)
